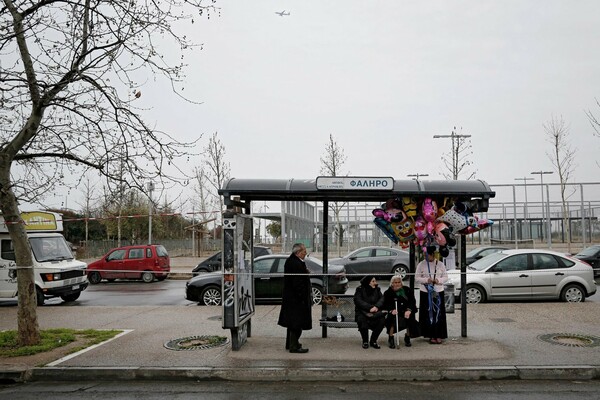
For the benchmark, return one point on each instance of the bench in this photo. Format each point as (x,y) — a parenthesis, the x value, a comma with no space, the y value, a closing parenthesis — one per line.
(332,304)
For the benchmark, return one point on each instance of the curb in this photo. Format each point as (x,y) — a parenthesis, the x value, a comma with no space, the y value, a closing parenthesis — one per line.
(276,374)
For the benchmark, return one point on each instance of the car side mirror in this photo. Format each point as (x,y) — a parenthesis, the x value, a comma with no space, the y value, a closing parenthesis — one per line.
(352,258)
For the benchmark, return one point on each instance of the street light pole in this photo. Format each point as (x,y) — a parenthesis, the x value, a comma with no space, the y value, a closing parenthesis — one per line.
(544,218)
(416,176)
(455,147)
(150,209)
(525,213)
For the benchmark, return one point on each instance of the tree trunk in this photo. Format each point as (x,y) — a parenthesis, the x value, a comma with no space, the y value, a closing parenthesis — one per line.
(28,328)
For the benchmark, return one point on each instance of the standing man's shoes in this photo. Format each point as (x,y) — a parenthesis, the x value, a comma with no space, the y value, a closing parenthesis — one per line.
(299,350)
(407,341)
(375,345)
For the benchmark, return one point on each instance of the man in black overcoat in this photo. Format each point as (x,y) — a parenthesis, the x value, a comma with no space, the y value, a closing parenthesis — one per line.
(296,303)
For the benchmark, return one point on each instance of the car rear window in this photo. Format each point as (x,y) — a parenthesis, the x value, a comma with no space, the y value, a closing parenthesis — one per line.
(161,251)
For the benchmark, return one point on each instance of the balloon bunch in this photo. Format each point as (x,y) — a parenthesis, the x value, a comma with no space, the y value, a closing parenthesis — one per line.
(401,221)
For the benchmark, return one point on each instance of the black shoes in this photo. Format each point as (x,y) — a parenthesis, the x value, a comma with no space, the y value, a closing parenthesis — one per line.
(365,345)
(374,345)
(407,341)
(299,350)
(391,342)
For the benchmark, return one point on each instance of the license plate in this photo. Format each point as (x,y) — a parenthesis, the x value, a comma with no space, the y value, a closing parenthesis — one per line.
(75,287)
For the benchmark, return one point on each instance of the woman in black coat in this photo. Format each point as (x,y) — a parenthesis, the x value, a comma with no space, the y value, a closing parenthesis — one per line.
(401,306)
(368,314)
(295,314)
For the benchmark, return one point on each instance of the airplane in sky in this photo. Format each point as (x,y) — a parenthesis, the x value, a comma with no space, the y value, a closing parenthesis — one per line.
(282,13)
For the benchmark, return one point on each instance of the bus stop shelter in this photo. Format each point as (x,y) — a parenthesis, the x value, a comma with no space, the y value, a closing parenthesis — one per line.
(238,195)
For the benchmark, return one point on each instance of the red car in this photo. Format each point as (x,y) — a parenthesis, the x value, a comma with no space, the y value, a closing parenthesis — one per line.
(145,262)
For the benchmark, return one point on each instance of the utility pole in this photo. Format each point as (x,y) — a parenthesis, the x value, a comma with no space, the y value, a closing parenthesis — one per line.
(525,213)
(455,137)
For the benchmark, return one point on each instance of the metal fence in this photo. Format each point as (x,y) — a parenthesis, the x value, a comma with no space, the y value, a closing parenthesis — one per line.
(524,214)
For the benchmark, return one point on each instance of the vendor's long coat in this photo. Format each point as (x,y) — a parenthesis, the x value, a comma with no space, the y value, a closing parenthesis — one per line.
(296,297)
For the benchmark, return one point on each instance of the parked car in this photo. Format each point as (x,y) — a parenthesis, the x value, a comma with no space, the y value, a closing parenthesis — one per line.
(268,281)
(380,261)
(591,255)
(213,263)
(526,274)
(145,262)
(480,252)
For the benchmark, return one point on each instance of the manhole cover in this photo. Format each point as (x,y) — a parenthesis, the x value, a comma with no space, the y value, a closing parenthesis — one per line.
(571,339)
(196,342)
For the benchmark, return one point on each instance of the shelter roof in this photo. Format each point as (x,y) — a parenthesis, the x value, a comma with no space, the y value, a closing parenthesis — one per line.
(247,190)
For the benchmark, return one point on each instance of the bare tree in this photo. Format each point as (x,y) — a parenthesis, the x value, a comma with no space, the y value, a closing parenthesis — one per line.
(593,120)
(331,164)
(88,190)
(595,123)
(203,199)
(68,94)
(562,158)
(219,170)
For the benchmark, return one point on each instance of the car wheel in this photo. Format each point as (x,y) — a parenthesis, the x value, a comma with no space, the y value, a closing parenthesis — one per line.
(475,294)
(211,296)
(147,276)
(317,295)
(401,270)
(71,297)
(40,296)
(572,293)
(94,278)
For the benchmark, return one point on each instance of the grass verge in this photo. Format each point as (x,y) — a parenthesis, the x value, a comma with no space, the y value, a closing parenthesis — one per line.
(52,339)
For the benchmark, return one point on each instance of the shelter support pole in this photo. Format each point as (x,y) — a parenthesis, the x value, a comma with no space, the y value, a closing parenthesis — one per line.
(411,265)
(463,285)
(325,247)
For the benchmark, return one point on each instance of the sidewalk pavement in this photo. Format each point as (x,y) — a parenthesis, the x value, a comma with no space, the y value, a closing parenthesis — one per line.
(505,341)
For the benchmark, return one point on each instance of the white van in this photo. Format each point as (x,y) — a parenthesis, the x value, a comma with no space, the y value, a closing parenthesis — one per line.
(56,271)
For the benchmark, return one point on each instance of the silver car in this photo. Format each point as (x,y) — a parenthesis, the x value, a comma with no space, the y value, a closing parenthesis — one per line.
(526,274)
(376,260)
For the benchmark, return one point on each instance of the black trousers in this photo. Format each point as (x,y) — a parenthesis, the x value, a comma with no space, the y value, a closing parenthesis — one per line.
(292,339)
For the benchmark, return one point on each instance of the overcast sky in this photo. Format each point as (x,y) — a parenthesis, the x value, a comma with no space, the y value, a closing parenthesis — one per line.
(383,77)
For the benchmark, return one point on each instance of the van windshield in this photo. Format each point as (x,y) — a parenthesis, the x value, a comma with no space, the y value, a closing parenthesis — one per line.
(52,248)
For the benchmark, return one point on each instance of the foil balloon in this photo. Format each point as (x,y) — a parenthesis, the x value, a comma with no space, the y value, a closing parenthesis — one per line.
(420,230)
(387,229)
(404,228)
(480,224)
(429,210)
(442,232)
(409,205)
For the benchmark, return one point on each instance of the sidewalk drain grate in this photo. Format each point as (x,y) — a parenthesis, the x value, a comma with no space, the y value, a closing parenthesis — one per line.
(214,318)
(196,342)
(571,339)
(502,320)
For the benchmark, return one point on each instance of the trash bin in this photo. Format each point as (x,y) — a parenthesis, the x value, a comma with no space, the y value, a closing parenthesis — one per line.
(449,297)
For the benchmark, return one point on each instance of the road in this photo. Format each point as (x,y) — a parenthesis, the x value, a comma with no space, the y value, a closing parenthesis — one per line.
(168,292)
(165,293)
(489,390)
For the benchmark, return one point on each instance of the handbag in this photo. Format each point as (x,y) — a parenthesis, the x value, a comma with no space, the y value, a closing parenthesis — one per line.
(378,314)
